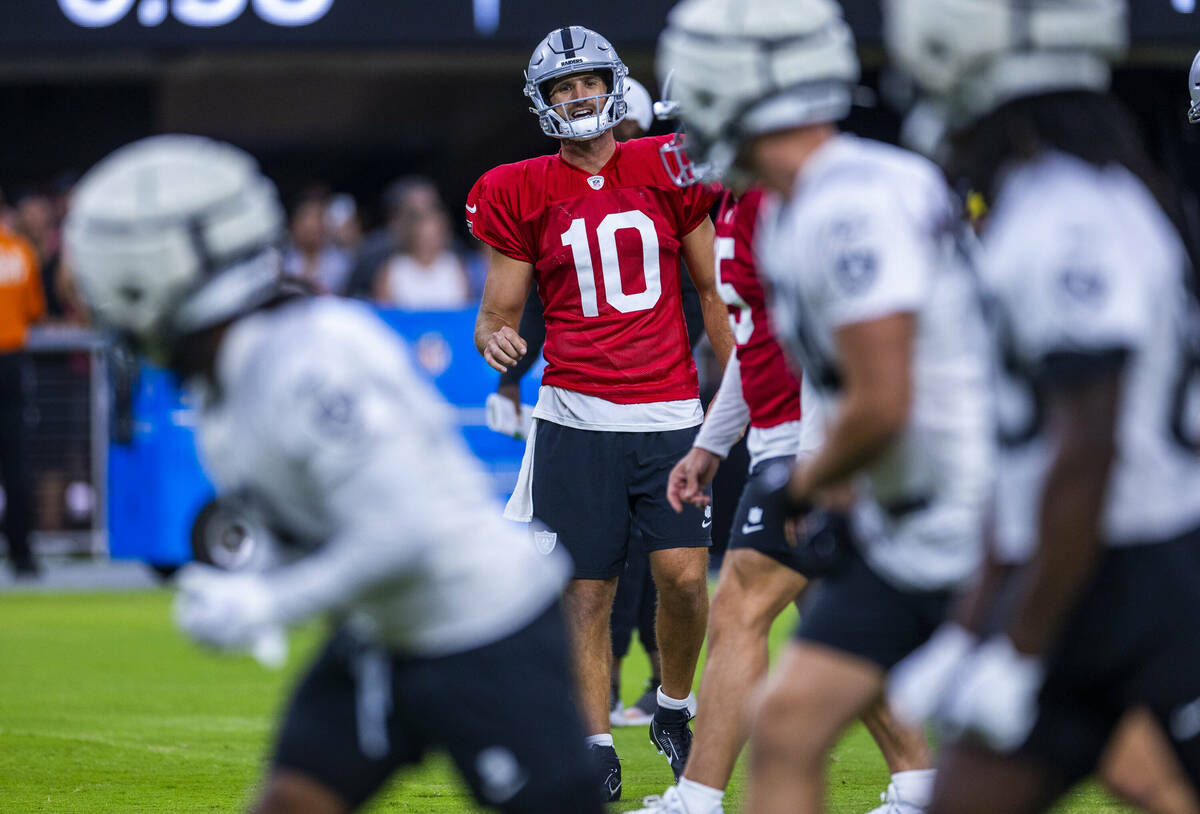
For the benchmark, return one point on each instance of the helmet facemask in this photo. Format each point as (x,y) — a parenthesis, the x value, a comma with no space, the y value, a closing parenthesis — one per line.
(607,109)
(676,161)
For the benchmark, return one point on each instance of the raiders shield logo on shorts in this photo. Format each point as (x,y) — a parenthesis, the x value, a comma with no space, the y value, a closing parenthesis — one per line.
(544,541)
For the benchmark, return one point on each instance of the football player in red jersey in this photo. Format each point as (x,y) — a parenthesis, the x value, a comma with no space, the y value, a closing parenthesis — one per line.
(601,228)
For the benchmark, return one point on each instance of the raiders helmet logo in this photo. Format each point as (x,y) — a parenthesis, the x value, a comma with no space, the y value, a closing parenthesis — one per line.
(596,181)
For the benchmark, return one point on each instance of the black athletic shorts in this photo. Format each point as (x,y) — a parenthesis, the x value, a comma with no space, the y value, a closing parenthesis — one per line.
(589,486)
(854,610)
(761,529)
(1133,640)
(757,528)
(503,712)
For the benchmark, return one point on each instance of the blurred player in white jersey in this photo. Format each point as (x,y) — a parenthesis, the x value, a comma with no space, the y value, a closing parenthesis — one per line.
(763,570)
(313,419)
(1092,294)
(858,242)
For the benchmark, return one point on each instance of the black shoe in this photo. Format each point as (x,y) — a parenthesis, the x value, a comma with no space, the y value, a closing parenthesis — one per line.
(605,759)
(671,735)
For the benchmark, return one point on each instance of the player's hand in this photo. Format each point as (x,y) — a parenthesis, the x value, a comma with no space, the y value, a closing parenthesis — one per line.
(919,683)
(504,349)
(994,696)
(228,611)
(690,477)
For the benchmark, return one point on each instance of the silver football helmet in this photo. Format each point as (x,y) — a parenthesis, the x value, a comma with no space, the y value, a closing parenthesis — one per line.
(173,234)
(742,69)
(971,56)
(1194,90)
(570,50)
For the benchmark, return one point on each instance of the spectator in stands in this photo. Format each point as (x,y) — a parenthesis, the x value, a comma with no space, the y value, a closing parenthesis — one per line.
(428,275)
(404,200)
(34,219)
(21,304)
(311,254)
(344,224)
(69,304)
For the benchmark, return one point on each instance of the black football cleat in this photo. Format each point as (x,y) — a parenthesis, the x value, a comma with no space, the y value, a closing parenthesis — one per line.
(608,766)
(671,735)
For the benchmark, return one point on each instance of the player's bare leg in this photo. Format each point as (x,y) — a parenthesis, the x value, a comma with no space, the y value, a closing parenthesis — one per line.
(290,792)
(903,747)
(681,575)
(587,604)
(752,591)
(813,695)
(655,662)
(1140,767)
(972,780)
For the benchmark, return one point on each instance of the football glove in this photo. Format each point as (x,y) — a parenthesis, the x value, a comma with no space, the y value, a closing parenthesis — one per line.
(994,697)
(503,417)
(919,683)
(229,611)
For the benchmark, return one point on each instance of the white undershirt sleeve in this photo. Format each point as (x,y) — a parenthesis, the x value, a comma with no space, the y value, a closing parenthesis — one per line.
(727,415)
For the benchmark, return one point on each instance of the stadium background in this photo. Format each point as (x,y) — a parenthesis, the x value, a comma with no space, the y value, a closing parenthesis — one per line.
(350,95)
(363,93)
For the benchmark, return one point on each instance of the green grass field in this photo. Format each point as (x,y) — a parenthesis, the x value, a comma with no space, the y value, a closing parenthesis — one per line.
(104,707)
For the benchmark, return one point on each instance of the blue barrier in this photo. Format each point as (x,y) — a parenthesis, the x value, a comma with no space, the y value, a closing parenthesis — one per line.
(156,484)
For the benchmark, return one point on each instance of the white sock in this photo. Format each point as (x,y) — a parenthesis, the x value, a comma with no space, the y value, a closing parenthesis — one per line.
(667,702)
(699,797)
(915,786)
(599,740)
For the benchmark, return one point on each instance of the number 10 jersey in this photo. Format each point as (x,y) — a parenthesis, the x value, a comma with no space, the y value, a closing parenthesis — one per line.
(605,250)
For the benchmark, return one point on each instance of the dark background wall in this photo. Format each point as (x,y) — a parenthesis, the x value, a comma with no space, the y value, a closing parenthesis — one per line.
(374,89)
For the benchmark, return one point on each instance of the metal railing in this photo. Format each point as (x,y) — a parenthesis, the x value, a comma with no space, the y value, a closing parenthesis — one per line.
(67,416)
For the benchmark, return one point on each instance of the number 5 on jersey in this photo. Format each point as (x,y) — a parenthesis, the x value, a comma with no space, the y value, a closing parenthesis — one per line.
(576,237)
(743,323)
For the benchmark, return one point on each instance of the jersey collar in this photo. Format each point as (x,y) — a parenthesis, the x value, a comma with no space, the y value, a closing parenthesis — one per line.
(608,165)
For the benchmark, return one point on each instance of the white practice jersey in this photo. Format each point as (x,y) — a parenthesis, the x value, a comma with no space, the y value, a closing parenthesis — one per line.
(319,418)
(872,230)
(1080,261)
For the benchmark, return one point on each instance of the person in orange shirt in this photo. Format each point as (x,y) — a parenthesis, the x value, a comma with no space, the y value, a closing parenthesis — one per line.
(21,304)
